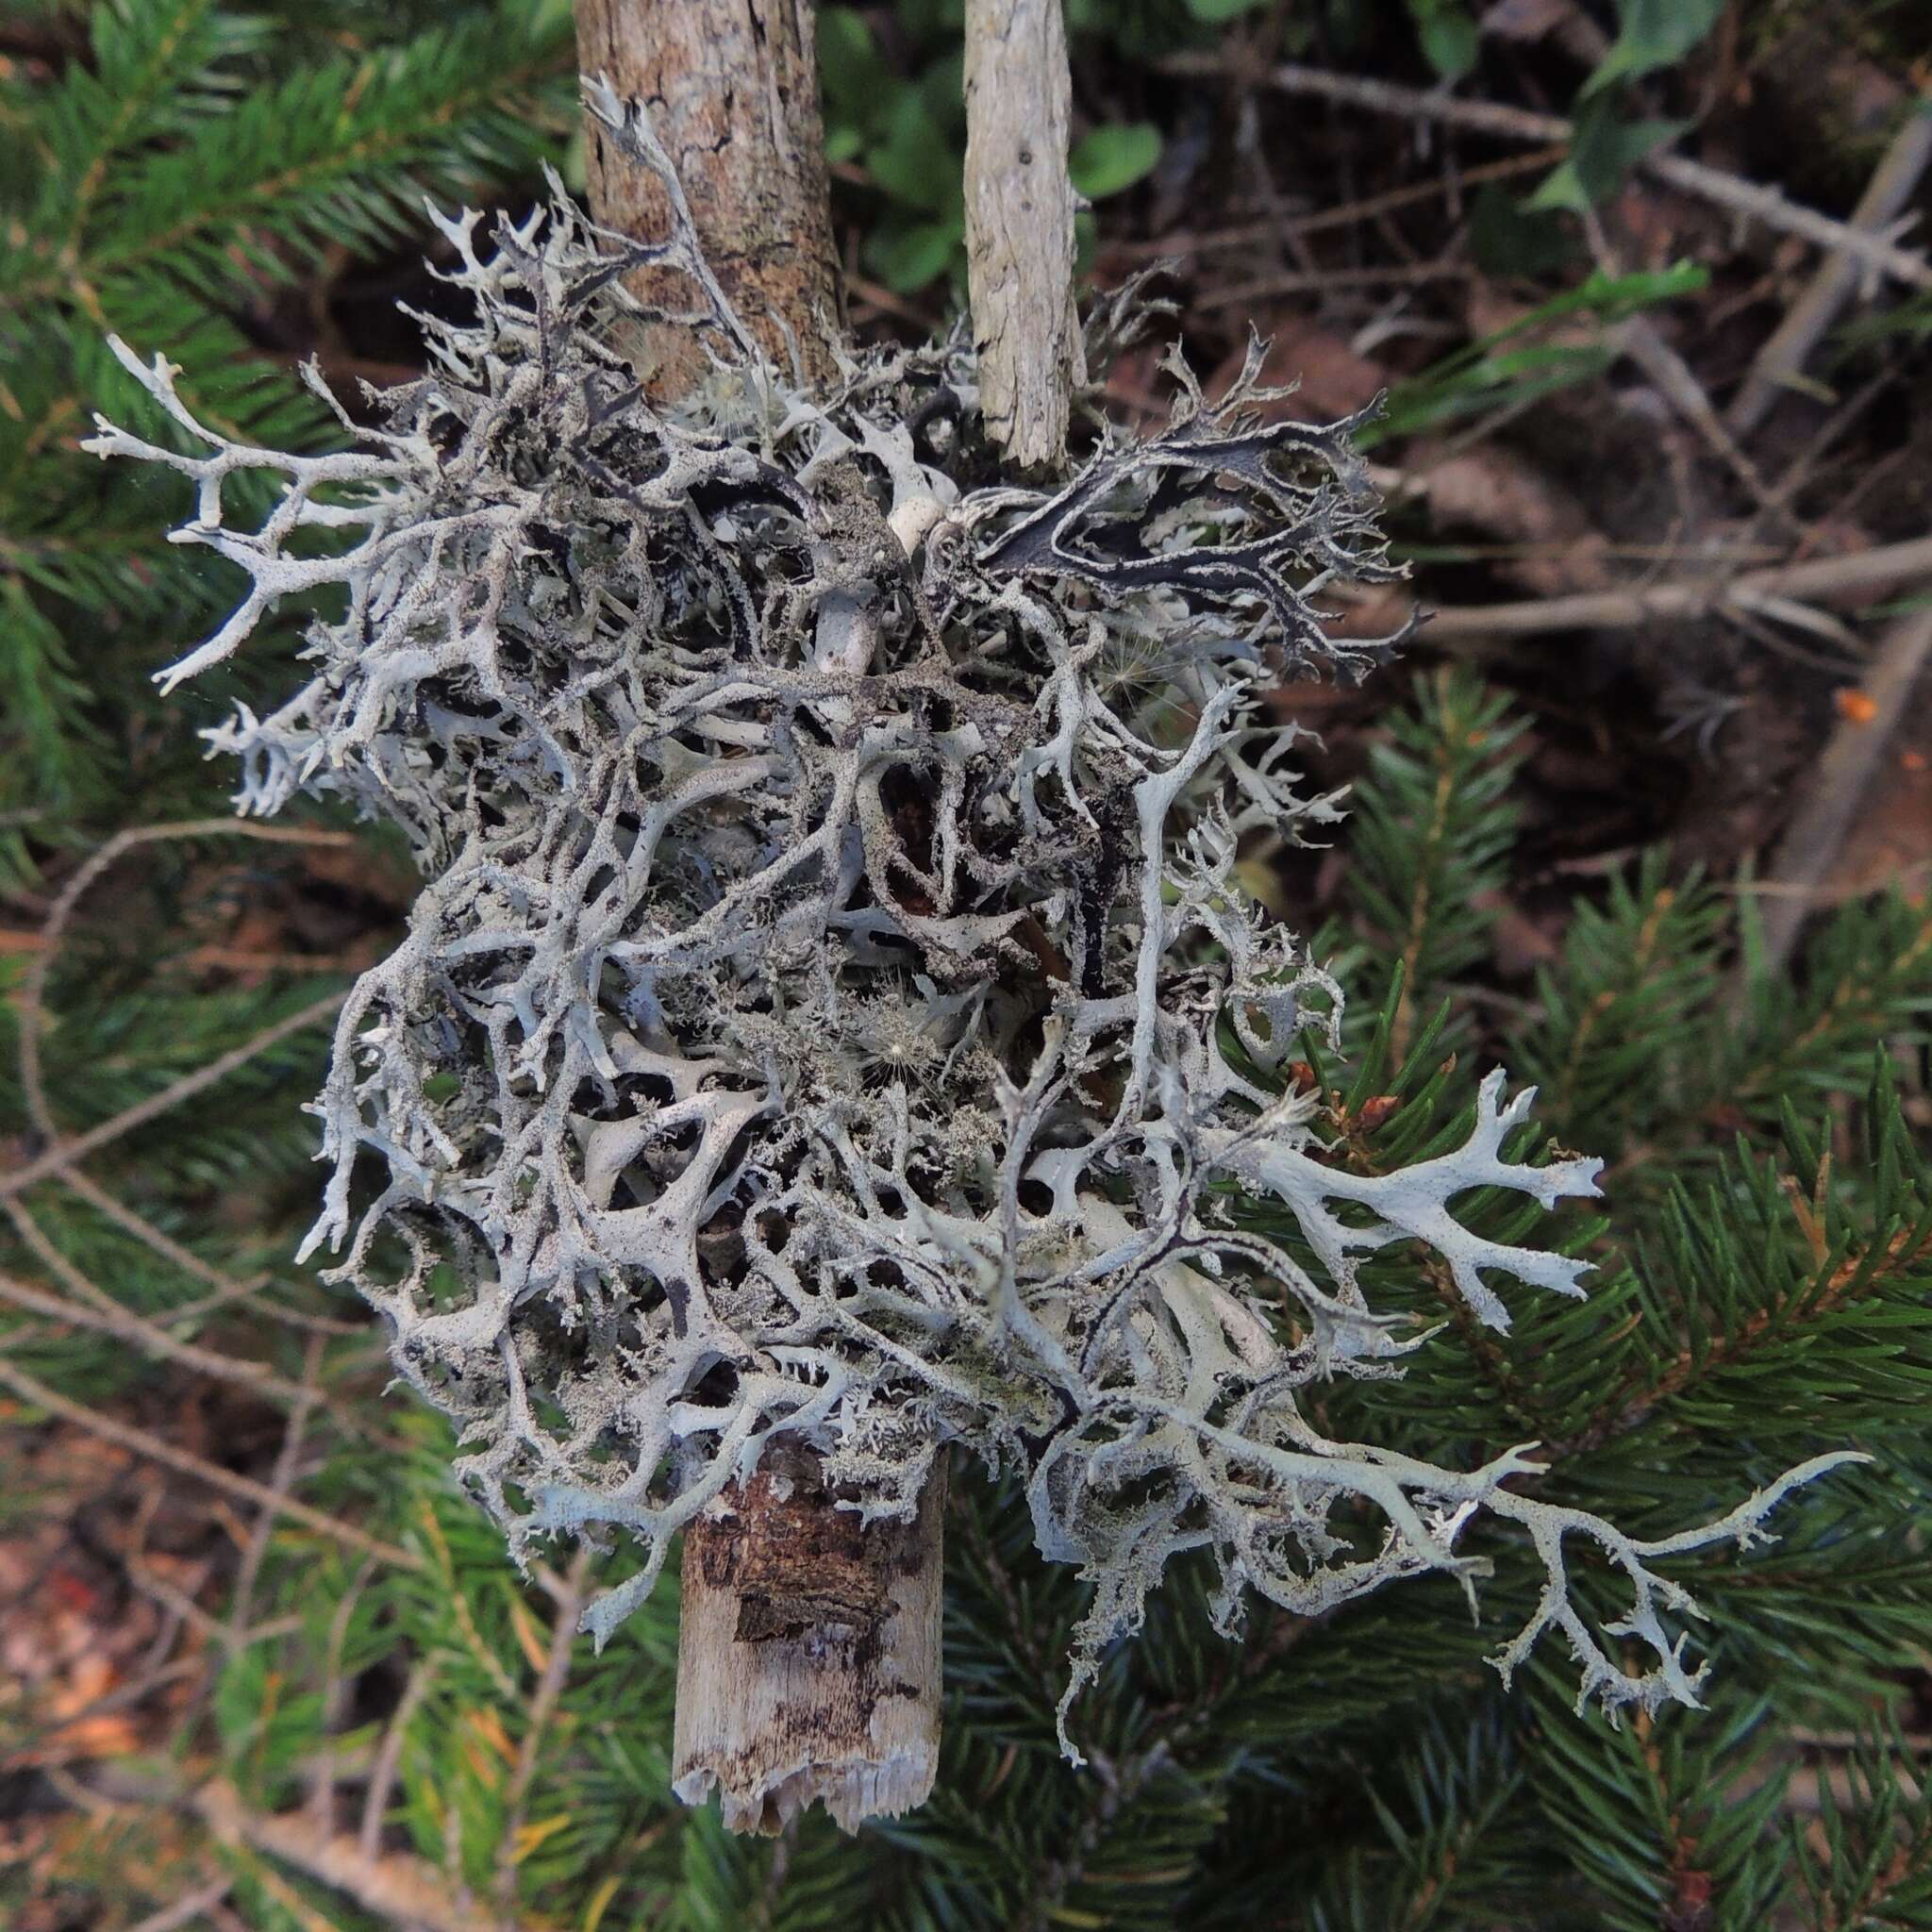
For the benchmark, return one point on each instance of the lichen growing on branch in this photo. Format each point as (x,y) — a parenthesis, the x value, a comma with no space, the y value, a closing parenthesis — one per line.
(831,1011)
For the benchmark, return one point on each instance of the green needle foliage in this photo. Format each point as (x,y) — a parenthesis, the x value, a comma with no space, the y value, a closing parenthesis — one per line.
(197,165)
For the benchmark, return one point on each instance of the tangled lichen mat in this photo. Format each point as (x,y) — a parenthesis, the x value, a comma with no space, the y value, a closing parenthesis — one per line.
(831,1011)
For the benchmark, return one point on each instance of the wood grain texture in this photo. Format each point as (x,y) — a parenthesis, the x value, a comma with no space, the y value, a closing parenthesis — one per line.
(809,1662)
(732,89)
(1020,227)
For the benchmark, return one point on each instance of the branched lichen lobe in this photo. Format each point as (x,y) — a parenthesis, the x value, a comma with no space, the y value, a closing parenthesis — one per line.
(832,1018)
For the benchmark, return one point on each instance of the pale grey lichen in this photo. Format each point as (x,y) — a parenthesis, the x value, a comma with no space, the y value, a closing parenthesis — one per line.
(832,1011)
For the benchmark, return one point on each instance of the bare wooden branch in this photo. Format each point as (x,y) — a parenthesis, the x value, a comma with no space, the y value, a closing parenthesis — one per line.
(1838,783)
(1020,225)
(399,1888)
(30,1388)
(1823,578)
(808,1656)
(732,86)
(774,1710)
(60,1156)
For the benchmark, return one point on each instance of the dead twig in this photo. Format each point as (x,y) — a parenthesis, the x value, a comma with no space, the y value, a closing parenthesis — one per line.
(1876,253)
(1319,281)
(30,1388)
(335,1698)
(34,989)
(1836,277)
(185,1911)
(130,1327)
(1469,625)
(1838,784)
(397,1886)
(388,1757)
(1245,234)
(280,1481)
(61,1156)
(1020,227)
(227,1288)
(203,1623)
(563,1633)
(1639,338)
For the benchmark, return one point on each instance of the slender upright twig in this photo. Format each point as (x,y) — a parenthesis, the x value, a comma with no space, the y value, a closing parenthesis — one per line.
(1837,277)
(1020,225)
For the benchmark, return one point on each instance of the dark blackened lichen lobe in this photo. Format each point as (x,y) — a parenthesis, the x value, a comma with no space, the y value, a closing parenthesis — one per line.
(832,1016)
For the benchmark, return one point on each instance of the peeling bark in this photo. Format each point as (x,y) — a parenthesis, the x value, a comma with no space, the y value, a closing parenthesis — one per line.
(1020,227)
(808,1656)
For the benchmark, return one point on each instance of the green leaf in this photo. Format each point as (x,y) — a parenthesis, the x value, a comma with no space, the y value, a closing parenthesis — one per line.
(1449,39)
(1508,238)
(1602,152)
(915,163)
(1110,158)
(1654,33)
(1491,372)
(907,258)
(1214,12)
(857,85)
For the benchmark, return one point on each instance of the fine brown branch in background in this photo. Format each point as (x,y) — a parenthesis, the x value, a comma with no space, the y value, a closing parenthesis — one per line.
(30,1388)
(1838,783)
(402,1889)
(1782,356)
(1875,253)
(61,1156)
(1827,577)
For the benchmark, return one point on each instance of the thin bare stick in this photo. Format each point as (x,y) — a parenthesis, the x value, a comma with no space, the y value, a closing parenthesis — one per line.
(129,1326)
(388,1757)
(1319,221)
(1836,277)
(563,1632)
(398,1887)
(215,1629)
(281,1480)
(1823,578)
(170,1918)
(1020,227)
(1639,338)
(227,1288)
(34,990)
(58,1157)
(1839,782)
(1400,275)
(335,1699)
(140,1442)
(1877,253)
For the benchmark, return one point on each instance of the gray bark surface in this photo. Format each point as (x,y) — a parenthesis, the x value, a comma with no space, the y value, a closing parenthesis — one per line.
(1020,225)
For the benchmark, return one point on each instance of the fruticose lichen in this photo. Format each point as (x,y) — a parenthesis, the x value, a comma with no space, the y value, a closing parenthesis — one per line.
(831,1011)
